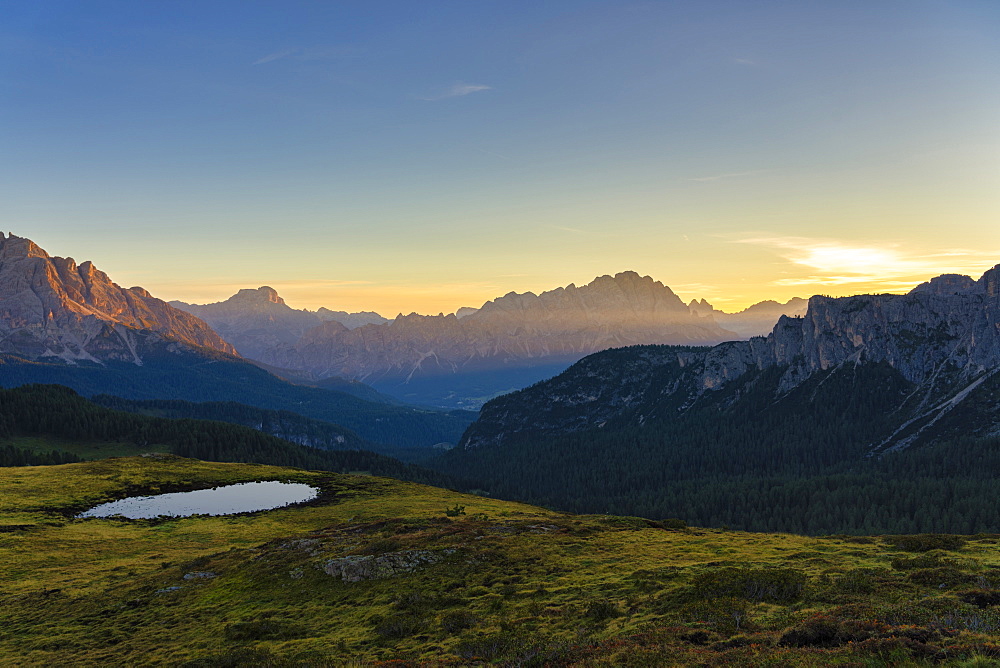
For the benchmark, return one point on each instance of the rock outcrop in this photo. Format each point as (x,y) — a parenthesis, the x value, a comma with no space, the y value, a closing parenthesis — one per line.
(50,307)
(358,568)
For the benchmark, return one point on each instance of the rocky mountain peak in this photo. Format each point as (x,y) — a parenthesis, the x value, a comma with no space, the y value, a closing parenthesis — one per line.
(701,307)
(50,307)
(14,247)
(990,282)
(265,294)
(946,284)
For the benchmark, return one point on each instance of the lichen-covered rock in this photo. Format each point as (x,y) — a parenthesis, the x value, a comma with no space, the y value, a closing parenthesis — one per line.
(356,568)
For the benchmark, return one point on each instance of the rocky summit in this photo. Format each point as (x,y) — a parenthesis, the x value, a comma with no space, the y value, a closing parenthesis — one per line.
(51,307)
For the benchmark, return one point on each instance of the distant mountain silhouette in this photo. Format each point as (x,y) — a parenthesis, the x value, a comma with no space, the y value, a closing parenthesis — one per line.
(255,321)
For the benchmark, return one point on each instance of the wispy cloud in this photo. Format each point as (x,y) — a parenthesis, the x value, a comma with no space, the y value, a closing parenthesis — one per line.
(698,289)
(729,175)
(887,266)
(563,228)
(308,53)
(457,90)
(320,283)
(277,55)
(743,61)
(495,155)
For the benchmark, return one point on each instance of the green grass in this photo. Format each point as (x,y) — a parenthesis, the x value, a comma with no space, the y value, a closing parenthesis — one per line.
(504,583)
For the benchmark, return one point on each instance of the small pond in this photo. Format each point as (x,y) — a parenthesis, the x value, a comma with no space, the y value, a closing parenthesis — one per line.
(243,498)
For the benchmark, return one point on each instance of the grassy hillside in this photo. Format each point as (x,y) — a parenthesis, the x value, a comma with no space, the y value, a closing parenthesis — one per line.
(380,570)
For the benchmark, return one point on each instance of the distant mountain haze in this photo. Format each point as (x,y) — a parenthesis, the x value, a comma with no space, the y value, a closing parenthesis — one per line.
(516,331)
(756,320)
(463,359)
(50,308)
(255,321)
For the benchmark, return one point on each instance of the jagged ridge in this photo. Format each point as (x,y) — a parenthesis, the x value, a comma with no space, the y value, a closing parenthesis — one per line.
(52,307)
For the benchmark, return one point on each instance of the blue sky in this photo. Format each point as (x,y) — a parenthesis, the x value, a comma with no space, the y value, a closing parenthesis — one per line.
(422,156)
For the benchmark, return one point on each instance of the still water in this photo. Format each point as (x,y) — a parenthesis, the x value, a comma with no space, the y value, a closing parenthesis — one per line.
(244,498)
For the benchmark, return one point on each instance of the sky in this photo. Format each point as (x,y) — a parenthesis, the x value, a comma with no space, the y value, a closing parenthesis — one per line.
(423,156)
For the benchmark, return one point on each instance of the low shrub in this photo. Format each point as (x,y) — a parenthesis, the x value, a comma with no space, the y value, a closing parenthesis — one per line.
(941,577)
(263,629)
(238,657)
(860,580)
(602,610)
(929,560)
(826,631)
(969,618)
(455,511)
(487,648)
(896,650)
(517,650)
(925,542)
(776,585)
(458,620)
(397,627)
(726,615)
(381,546)
(981,598)
(418,601)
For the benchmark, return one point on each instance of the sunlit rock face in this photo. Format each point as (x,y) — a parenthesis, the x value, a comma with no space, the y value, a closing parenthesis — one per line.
(52,307)
(950,322)
(943,338)
(565,323)
(257,321)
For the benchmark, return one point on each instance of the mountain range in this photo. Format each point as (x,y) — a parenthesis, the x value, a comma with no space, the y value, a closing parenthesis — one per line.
(856,386)
(463,359)
(70,324)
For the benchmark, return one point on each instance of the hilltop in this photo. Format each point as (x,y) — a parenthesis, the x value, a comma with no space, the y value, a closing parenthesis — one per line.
(381,570)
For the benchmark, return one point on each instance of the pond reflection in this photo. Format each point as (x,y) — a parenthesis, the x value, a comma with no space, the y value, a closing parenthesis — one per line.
(243,498)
